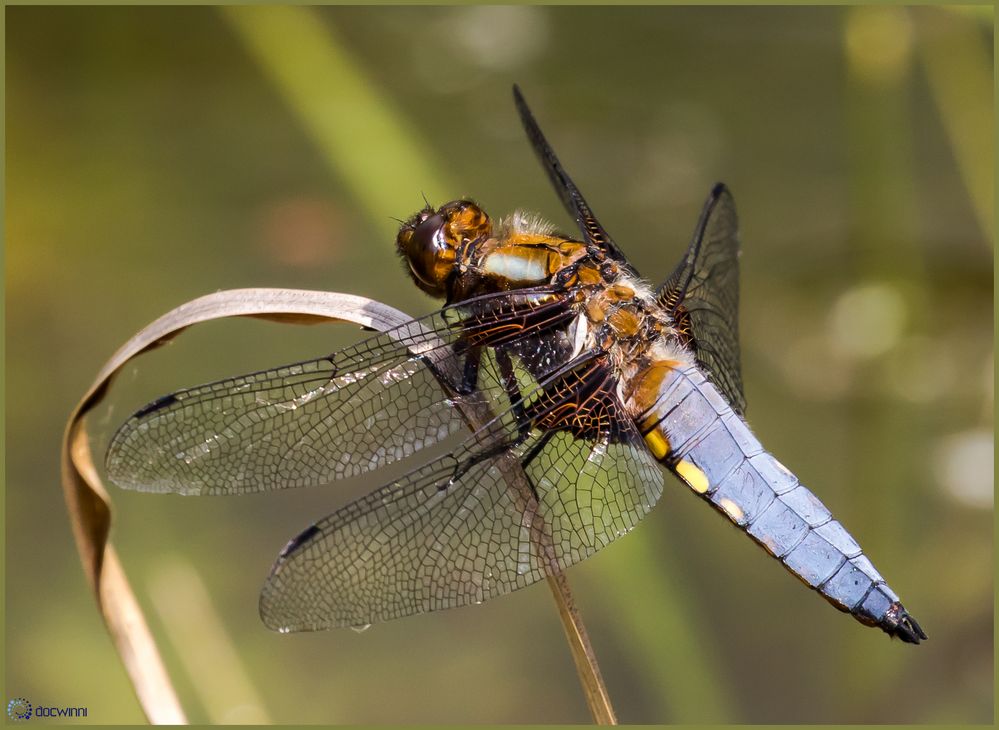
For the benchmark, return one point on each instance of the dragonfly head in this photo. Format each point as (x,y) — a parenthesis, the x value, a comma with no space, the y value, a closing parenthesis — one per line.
(429,242)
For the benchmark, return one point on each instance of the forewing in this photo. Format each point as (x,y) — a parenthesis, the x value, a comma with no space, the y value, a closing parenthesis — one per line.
(335,417)
(702,293)
(567,191)
(493,517)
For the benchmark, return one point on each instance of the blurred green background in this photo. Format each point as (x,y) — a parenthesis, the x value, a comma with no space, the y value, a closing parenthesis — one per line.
(157,154)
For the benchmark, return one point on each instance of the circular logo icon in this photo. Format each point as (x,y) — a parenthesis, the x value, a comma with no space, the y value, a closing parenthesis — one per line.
(19,709)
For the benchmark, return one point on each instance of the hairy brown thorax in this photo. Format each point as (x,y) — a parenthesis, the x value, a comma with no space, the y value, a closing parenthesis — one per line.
(456,252)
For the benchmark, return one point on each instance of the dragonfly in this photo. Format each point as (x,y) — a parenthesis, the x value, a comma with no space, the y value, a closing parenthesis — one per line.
(533,418)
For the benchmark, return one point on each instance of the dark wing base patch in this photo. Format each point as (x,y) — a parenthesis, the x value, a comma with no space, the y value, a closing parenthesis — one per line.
(702,295)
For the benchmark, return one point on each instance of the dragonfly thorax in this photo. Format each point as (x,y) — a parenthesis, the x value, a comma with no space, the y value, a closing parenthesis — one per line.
(626,321)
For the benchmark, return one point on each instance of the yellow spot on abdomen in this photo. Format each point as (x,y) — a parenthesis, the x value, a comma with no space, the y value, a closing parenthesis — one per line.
(731,508)
(657,443)
(695,478)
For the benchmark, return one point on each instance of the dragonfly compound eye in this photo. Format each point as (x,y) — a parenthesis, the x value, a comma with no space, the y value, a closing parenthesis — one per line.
(427,251)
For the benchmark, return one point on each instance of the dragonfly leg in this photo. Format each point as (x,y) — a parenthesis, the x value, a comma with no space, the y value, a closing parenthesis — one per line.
(531,455)
(495,450)
(513,392)
(470,376)
(524,424)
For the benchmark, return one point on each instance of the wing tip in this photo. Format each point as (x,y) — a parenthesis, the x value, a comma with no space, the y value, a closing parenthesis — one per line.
(718,191)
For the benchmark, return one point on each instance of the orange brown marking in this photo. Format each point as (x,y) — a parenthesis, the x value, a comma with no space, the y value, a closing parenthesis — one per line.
(533,239)
(595,309)
(569,252)
(589,275)
(625,322)
(466,223)
(620,293)
(644,388)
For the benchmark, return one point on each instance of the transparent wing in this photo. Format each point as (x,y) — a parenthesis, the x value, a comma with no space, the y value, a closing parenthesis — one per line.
(567,191)
(496,515)
(355,410)
(702,294)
